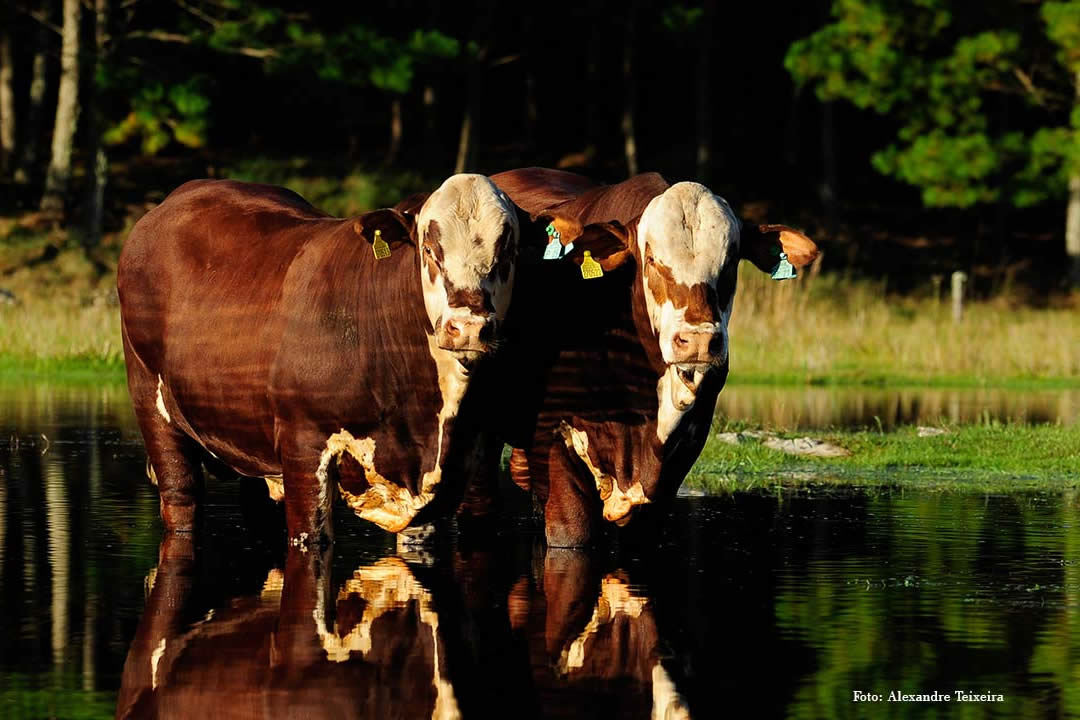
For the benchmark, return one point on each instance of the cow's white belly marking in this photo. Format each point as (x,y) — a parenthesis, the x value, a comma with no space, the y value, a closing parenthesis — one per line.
(155,658)
(618,503)
(162,410)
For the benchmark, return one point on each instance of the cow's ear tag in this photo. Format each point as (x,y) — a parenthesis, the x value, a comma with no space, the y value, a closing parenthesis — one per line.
(590,268)
(379,246)
(554,249)
(784,270)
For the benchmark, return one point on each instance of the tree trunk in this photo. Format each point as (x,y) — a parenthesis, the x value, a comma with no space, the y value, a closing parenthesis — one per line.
(67,112)
(31,134)
(99,173)
(395,131)
(629,138)
(1072,217)
(828,161)
(464,141)
(466,153)
(7,95)
(704,118)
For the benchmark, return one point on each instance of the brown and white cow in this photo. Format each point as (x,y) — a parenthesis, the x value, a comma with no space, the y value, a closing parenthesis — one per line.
(491,634)
(325,355)
(371,648)
(627,367)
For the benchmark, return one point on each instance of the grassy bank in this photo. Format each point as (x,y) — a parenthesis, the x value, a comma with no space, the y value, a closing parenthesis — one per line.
(974,457)
(823,328)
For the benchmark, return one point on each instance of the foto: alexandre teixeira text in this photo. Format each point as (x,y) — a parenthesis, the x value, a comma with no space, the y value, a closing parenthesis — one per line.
(935,696)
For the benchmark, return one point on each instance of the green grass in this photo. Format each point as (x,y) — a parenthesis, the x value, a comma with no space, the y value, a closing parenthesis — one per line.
(990,457)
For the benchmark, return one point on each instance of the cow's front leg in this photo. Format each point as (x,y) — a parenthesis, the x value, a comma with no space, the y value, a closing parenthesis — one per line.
(310,480)
(572,510)
(173,462)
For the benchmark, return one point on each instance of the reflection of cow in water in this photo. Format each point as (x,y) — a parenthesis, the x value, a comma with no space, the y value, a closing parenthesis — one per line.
(402,642)
(270,655)
(600,655)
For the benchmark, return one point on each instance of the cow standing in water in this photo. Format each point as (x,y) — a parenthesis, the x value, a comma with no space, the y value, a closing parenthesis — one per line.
(623,370)
(321,354)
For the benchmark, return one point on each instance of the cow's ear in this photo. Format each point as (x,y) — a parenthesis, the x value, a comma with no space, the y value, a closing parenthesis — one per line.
(537,230)
(395,228)
(608,242)
(762,245)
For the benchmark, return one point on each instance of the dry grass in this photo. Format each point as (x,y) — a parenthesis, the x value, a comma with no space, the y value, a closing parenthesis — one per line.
(818,328)
(824,328)
(65,318)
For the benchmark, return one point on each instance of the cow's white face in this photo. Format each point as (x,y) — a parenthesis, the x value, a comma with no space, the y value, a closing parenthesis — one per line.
(468,233)
(688,241)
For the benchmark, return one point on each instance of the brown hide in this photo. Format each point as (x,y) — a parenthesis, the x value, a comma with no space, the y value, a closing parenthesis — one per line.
(261,326)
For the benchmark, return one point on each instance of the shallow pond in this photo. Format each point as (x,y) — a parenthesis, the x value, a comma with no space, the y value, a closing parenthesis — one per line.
(752,604)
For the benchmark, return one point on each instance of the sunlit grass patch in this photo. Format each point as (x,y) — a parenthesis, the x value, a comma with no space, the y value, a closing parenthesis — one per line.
(988,456)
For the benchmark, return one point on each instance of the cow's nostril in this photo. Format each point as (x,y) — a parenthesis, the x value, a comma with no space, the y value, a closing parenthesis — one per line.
(452,329)
(680,341)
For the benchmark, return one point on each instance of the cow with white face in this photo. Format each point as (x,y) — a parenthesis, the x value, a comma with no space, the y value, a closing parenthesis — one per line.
(688,239)
(467,230)
(669,256)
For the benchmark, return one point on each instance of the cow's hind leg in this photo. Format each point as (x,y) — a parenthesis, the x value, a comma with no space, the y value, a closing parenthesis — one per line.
(174,457)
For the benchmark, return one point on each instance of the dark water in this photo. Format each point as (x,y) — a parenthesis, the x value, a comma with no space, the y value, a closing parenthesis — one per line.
(750,605)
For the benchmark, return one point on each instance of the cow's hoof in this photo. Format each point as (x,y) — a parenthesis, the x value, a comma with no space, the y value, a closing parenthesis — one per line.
(302,542)
(419,536)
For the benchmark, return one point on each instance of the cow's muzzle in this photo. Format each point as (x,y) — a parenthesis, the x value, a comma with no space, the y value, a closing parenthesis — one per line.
(469,333)
(697,346)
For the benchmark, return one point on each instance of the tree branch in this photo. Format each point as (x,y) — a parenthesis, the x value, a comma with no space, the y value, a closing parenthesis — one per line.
(168,37)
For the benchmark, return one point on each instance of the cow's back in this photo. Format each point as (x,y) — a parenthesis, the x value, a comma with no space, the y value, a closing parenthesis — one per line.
(198,280)
(542,189)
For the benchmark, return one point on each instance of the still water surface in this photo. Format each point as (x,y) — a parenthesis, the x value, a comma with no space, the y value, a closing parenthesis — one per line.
(760,605)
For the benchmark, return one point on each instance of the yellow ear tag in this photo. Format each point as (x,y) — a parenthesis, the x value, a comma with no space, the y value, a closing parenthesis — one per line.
(590,268)
(379,246)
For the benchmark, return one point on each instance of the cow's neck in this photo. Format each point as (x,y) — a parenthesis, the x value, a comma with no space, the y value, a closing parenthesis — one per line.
(453,381)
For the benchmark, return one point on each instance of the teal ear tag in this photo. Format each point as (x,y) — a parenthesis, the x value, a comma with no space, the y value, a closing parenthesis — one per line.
(554,249)
(783,270)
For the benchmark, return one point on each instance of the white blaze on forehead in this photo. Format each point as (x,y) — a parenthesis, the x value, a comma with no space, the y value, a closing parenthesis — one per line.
(691,231)
(472,215)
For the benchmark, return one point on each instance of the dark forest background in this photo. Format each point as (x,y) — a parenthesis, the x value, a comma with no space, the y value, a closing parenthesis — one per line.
(912,138)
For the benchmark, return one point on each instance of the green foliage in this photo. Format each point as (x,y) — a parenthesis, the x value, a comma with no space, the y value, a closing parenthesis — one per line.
(352,55)
(946,88)
(160,115)
(680,18)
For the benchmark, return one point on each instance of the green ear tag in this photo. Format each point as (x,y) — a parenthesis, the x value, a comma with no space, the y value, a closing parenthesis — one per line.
(783,270)
(590,268)
(379,246)
(554,249)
